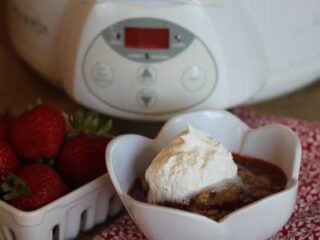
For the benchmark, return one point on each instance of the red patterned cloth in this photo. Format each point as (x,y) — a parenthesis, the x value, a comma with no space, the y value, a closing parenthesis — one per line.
(305,221)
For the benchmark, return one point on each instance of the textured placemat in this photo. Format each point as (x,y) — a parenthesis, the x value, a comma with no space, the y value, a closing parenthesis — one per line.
(305,221)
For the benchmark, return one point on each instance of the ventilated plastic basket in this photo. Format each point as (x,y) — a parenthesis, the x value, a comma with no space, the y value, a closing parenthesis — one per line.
(64,218)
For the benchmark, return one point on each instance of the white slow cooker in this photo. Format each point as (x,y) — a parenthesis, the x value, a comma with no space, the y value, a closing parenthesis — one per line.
(151,59)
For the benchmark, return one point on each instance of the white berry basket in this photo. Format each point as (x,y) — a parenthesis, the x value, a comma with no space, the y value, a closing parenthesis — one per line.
(64,218)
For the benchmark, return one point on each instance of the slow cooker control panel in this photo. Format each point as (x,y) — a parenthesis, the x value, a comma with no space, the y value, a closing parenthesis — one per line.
(150,66)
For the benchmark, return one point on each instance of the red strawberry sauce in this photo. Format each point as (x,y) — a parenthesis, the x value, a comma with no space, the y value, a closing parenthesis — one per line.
(256,179)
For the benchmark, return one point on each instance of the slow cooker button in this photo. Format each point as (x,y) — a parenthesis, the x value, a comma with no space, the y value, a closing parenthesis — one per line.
(193,79)
(147,98)
(146,76)
(102,75)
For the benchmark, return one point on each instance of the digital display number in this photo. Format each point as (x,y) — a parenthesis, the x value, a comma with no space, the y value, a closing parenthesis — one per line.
(147,38)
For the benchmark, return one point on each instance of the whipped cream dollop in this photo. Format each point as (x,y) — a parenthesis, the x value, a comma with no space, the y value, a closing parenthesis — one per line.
(193,161)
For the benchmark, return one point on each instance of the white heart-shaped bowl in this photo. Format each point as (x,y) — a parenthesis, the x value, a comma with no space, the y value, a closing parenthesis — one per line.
(128,156)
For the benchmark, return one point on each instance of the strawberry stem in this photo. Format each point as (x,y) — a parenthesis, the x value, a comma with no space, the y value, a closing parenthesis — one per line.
(48,161)
(89,123)
(36,103)
(106,128)
(14,187)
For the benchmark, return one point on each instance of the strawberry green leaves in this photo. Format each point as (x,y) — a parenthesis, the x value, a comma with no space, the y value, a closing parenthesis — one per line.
(14,187)
(90,123)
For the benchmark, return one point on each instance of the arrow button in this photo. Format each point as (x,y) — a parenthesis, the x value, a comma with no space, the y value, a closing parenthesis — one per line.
(147,98)
(146,76)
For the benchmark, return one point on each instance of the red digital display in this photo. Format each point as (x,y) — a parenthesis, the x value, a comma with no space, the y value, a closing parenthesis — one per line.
(148,38)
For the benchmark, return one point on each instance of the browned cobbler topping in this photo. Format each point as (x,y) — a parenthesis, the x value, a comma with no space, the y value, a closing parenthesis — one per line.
(256,179)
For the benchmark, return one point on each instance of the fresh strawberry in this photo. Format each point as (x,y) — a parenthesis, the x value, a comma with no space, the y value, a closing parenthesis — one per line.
(34,186)
(38,133)
(82,157)
(9,162)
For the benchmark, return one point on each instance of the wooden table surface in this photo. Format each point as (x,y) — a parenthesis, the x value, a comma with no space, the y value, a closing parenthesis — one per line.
(20,85)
